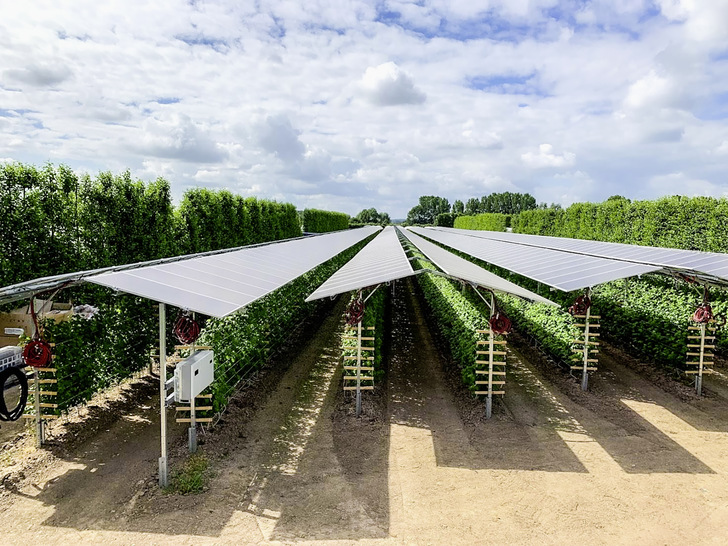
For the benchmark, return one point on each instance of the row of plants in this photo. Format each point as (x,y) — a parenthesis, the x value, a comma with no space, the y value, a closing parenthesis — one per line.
(54,221)
(693,223)
(649,316)
(323,221)
(91,354)
(374,316)
(245,341)
(490,221)
(457,318)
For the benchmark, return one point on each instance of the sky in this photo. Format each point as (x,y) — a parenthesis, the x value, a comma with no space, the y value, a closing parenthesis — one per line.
(345,105)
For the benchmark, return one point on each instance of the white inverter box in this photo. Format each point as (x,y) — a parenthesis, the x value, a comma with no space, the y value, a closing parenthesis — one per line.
(193,375)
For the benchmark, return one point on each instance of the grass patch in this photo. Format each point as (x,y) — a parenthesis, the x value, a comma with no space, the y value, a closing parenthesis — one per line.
(192,477)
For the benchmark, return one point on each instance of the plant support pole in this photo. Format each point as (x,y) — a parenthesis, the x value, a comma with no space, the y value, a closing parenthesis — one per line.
(192,432)
(163,482)
(358,370)
(489,400)
(585,373)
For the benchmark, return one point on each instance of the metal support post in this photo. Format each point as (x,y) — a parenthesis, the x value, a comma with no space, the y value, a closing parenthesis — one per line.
(192,432)
(163,481)
(489,400)
(358,370)
(585,372)
(699,376)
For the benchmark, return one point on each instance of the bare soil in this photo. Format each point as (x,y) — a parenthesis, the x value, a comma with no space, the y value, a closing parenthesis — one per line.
(637,458)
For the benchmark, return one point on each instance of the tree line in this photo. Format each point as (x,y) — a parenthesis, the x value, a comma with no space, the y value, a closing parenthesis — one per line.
(437,210)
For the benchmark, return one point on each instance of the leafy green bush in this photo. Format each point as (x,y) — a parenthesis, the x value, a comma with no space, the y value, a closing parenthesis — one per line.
(446,219)
(323,221)
(92,354)
(457,318)
(490,221)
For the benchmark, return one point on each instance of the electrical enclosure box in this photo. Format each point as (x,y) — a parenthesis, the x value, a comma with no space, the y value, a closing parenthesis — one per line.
(193,375)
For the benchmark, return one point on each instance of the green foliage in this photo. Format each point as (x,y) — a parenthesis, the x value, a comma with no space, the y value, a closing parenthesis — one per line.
(370,216)
(693,223)
(92,354)
(446,219)
(210,220)
(489,221)
(501,203)
(192,477)
(323,221)
(427,210)
(457,318)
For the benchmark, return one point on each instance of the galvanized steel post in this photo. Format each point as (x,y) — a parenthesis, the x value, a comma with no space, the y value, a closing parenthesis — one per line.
(163,479)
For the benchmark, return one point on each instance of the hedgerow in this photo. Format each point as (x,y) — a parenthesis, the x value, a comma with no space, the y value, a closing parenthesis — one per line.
(323,221)
(693,223)
(490,221)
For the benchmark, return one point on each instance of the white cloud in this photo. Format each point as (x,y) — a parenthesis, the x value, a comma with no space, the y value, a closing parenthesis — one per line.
(178,137)
(388,85)
(287,100)
(546,158)
(276,135)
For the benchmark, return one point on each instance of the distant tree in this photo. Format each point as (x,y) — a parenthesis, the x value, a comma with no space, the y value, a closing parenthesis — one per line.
(427,210)
(617,198)
(371,216)
(507,203)
(458,207)
(472,207)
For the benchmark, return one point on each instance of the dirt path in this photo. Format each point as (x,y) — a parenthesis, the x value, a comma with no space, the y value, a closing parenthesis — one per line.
(627,462)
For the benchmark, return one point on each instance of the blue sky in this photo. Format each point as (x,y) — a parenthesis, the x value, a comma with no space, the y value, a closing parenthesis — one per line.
(348,105)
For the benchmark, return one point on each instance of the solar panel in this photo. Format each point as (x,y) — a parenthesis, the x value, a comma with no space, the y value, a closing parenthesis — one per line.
(382,260)
(221,284)
(562,270)
(693,262)
(457,267)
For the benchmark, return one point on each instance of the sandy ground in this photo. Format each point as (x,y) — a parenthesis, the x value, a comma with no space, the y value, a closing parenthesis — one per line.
(635,459)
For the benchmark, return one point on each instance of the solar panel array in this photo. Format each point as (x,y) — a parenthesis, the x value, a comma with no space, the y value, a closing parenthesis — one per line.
(562,270)
(382,260)
(460,268)
(710,264)
(221,284)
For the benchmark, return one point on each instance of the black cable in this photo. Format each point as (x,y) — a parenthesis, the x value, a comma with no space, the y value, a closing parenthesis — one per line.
(15,413)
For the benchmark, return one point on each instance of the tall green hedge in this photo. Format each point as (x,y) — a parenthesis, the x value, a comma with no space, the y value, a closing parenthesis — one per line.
(490,221)
(323,221)
(53,222)
(693,223)
(211,220)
